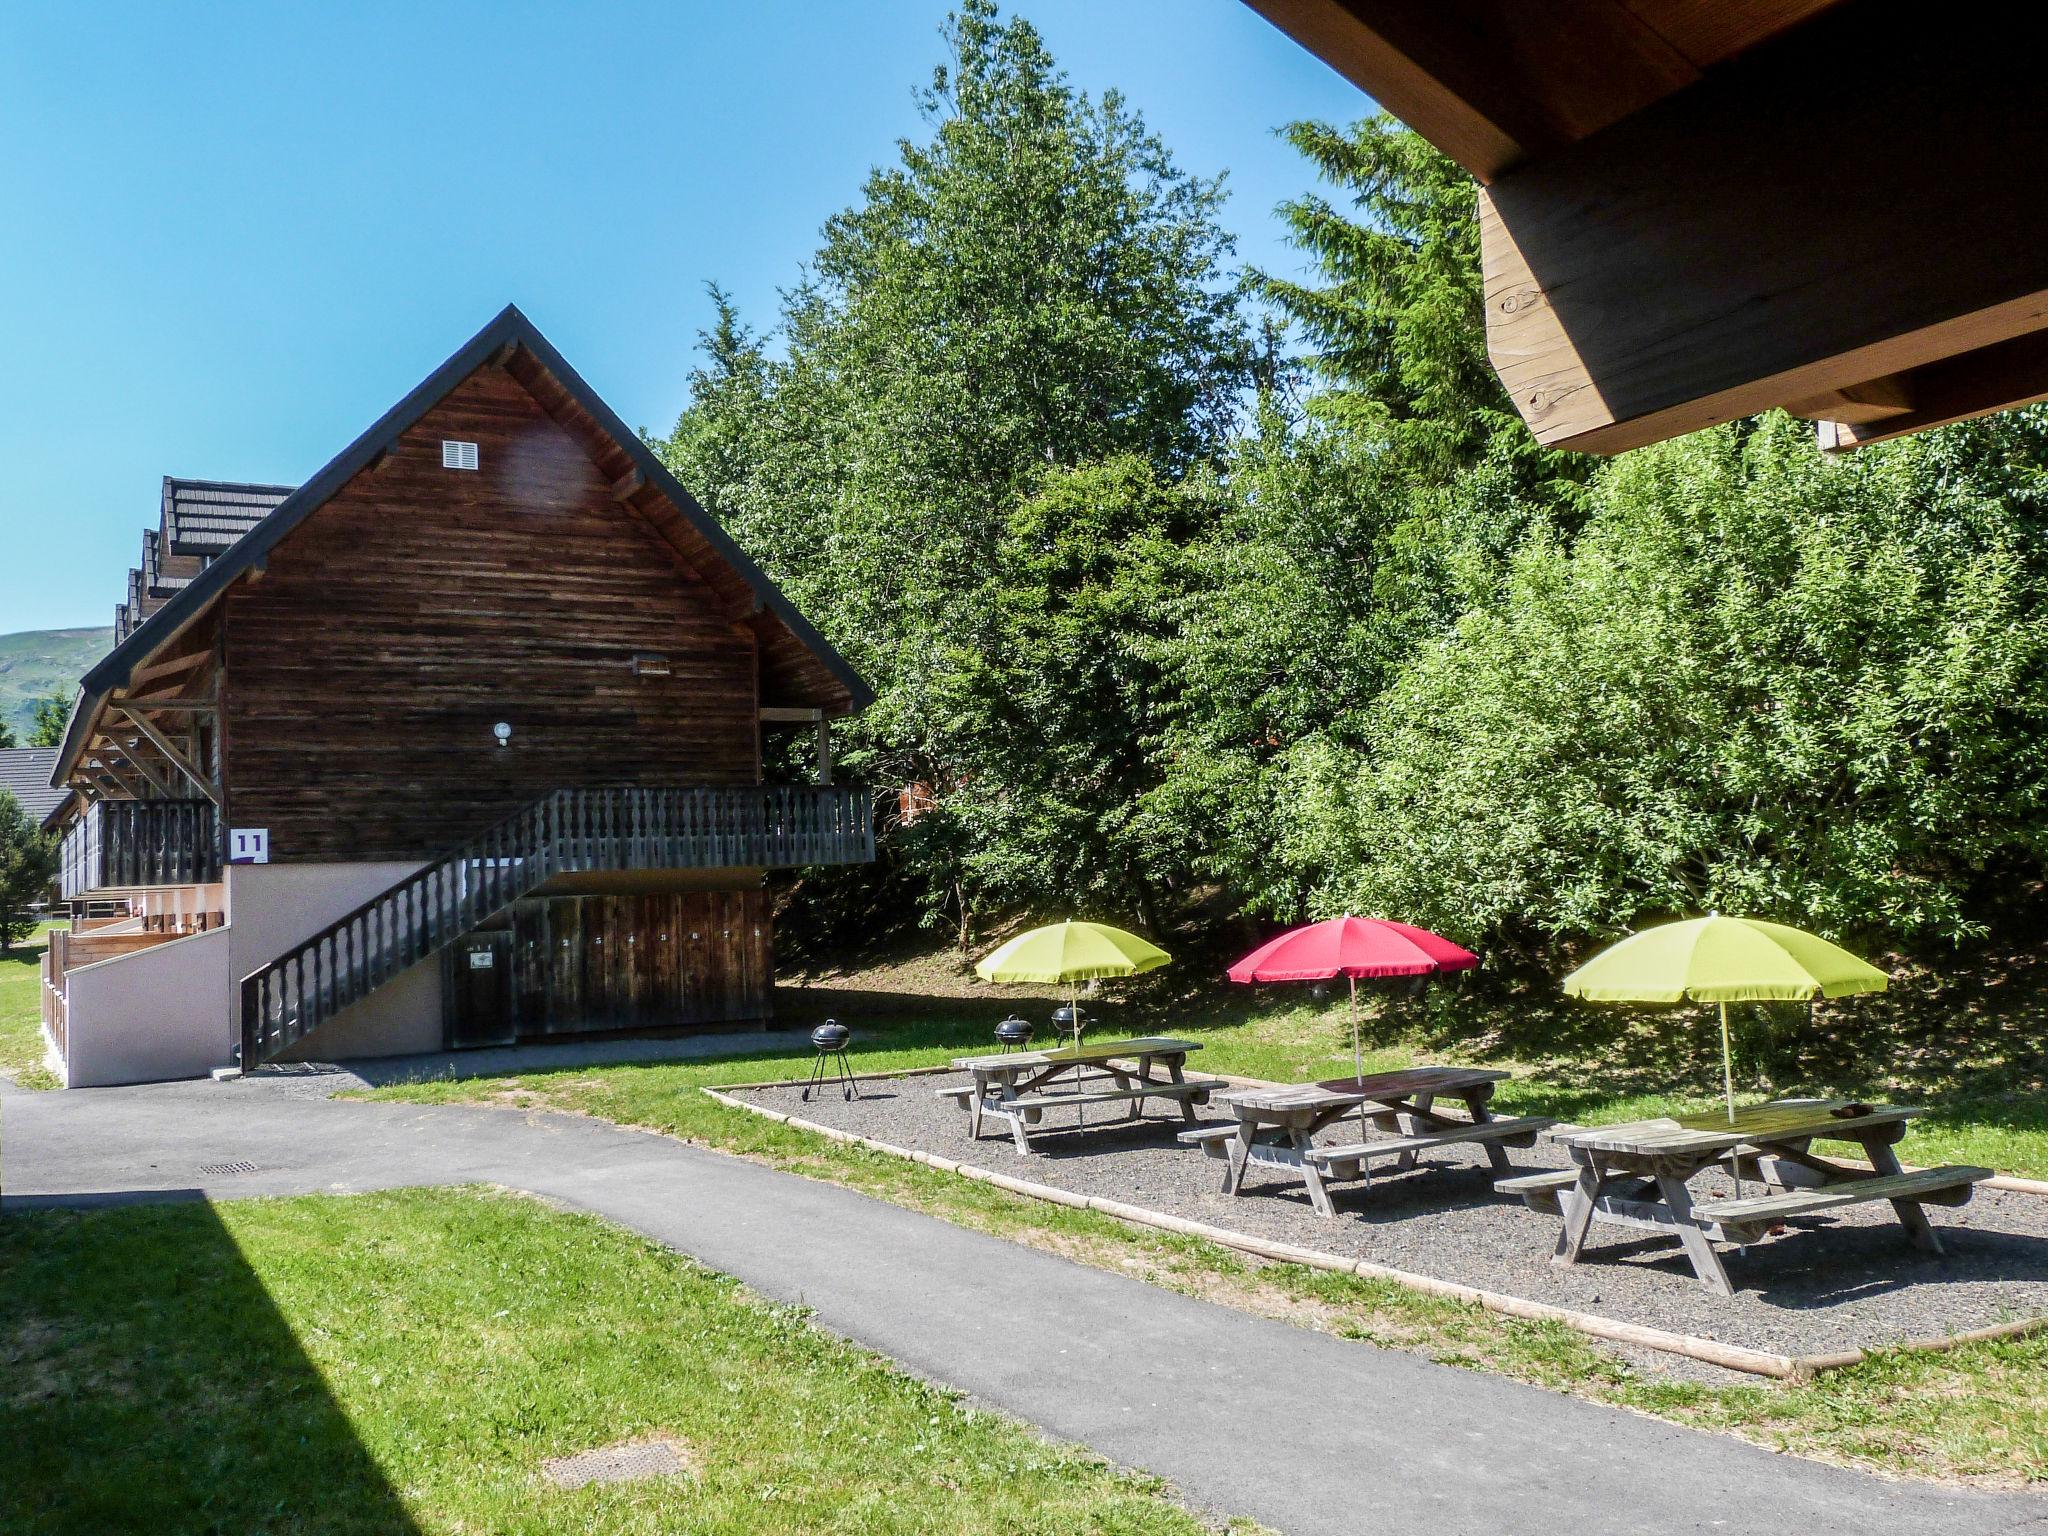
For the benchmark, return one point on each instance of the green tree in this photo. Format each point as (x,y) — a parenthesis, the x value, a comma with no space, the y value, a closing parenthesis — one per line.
(1363,520)
(1760,679)
(52,714)
(1394,315)
(717,445)
(1031,287)
(28,863)
(7,740)
(1055,717)
(1277,635)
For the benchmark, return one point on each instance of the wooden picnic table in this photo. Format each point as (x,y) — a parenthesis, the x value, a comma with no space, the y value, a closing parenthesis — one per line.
(1020,1086)
(1275,1127)
(1636,1176)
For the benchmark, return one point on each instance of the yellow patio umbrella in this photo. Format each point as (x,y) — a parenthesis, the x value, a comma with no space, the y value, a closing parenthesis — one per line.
(1067,954)
(1716,959)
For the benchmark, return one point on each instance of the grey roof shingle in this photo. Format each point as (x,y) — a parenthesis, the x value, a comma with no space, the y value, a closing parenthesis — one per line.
(26,772)
(203,517)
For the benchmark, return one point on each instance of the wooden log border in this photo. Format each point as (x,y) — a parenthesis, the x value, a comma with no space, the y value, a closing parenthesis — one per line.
(1734,1357)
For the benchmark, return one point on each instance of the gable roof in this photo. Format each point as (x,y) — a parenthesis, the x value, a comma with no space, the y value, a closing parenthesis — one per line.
(507,337)
(26,772)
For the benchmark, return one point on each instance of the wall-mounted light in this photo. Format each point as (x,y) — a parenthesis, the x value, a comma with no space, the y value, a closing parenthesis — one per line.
(503,731)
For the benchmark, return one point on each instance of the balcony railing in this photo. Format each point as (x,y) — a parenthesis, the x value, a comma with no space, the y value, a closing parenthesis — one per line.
(132,844)
(572,831)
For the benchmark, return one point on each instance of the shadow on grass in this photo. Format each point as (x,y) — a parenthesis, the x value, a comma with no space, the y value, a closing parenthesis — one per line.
(148,1384)
(886,1022)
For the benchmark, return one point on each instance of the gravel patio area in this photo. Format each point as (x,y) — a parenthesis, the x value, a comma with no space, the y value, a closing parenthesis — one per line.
(1846,1279)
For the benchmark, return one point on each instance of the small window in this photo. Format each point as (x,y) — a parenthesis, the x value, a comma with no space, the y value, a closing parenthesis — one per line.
(456,455)
(650,664)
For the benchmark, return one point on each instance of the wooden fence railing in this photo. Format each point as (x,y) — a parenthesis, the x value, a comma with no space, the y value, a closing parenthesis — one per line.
(88,946)
(129,844)
(56,1012)
(569,831)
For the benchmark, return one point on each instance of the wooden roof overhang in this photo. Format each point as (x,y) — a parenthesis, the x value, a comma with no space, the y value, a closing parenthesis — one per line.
(800,670)
(1693,210)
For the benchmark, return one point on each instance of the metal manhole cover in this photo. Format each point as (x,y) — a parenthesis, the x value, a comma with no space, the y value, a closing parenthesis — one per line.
(630,1461)
(214,1170)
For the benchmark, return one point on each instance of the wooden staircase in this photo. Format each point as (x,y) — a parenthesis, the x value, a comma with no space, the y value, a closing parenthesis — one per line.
(566,832)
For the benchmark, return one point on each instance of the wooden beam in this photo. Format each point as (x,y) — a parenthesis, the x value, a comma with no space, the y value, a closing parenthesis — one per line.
(164,784)
(157,671)
(98,763)
(1494,82)
(177,759)
(779,714)
(1639,285)
(628,485)
(157,706)
(1990,378)
(99,778)
(1872,400)
(824,751)
(1491,82)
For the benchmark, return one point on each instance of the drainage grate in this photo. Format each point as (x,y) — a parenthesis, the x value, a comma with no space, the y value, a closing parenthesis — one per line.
(630,1461)
(214,1170)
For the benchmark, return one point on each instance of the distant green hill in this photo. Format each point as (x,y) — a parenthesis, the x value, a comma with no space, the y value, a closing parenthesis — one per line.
(37,662)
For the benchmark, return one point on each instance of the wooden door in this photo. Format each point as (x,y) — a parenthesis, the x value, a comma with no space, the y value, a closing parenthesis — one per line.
(481,996)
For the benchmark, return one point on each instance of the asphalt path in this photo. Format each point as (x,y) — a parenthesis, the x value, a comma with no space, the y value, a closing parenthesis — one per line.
(1306,1433)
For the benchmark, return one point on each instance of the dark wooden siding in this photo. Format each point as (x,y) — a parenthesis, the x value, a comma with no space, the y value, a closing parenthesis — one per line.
(366,667)
(641,962)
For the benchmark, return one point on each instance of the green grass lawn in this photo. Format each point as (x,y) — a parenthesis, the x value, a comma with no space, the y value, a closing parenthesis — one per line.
(404,1362)
(21,1034)
(1979,1414)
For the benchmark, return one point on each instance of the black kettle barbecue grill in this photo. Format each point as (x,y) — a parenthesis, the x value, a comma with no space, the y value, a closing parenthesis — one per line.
(831,1039)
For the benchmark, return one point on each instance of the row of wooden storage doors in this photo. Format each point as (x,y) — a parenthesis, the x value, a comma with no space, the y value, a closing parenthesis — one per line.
(567,965)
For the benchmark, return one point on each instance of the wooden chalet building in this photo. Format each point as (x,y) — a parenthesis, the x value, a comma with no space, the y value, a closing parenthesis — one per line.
(458,743)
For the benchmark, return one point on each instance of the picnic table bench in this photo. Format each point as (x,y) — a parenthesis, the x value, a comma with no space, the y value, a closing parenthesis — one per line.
(1276,1127)
(1636,1176)
(1020,1086)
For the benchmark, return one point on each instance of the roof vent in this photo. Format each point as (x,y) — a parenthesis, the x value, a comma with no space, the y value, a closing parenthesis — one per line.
(456,455)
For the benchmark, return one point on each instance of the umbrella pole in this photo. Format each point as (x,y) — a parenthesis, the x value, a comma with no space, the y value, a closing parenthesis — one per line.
(1074,1013)
(1728,1087)
(1357,1059)
(1727,1066)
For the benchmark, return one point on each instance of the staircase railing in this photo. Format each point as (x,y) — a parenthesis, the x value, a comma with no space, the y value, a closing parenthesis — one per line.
(569,831)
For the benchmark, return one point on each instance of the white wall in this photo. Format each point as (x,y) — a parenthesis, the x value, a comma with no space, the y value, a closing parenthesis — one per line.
(273,906)
(171,1011)
(163,1012)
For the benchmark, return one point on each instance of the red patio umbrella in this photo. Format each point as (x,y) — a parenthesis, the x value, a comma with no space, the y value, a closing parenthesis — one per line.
(1352,947)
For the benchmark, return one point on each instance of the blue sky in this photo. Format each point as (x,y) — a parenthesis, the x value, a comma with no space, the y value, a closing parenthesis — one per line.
(232,235)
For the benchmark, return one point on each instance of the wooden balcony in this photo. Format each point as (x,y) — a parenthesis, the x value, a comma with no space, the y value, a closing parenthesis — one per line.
(124,845)
(571,831)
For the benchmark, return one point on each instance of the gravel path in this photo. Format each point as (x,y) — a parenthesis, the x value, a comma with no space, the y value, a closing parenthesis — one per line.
(1844,1280)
